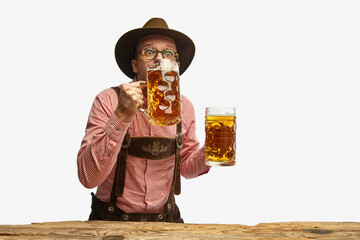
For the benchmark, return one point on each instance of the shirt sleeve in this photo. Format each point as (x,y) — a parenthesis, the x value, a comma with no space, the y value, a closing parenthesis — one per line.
(102,141)
(192,156)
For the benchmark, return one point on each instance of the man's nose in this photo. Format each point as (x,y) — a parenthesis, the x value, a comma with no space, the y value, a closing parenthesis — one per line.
(159,56)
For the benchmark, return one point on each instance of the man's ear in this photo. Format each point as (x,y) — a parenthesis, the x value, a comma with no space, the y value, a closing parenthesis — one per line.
(134,66)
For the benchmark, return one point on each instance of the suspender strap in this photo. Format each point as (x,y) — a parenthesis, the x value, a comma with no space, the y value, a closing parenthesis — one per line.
(119,178)
(179,145)
(117,90)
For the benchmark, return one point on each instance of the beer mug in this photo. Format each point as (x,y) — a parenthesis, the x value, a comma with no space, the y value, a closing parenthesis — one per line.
(162,93)
(220,136)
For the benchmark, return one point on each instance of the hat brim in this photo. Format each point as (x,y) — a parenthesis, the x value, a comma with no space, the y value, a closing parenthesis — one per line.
(125,48)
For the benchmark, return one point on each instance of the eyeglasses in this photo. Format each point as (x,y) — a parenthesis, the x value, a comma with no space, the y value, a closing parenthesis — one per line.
(150,53)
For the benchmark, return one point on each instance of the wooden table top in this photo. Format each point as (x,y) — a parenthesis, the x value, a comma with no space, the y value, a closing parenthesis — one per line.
(145,230)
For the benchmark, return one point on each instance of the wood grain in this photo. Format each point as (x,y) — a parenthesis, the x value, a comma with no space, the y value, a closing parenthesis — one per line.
(141,230)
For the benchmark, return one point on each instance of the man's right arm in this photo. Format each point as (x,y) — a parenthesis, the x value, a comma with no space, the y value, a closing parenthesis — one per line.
(102,141)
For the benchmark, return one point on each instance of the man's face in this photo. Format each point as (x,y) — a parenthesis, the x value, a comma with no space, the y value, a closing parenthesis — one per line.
(156,41)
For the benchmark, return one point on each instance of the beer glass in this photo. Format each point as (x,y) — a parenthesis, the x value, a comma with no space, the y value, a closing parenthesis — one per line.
(163,93)
(220,136)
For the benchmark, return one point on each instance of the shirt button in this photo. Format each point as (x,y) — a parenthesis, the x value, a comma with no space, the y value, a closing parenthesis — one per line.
(147,177)
(148,198)
(119,130)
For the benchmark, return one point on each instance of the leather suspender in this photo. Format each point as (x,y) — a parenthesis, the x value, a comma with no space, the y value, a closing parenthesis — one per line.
(179,145)
(153,148)
(119,178)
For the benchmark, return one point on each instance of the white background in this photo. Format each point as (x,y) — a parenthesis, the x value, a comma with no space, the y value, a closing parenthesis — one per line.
(291,69)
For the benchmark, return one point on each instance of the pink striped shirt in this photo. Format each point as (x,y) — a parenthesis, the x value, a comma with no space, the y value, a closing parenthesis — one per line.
(147,182)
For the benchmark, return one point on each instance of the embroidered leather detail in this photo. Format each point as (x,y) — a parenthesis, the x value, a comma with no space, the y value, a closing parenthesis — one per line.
(155,148)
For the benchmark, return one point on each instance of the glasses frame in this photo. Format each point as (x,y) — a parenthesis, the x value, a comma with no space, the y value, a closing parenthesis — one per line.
(176,56)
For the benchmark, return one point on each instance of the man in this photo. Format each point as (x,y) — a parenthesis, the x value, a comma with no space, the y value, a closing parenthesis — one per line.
(131,184)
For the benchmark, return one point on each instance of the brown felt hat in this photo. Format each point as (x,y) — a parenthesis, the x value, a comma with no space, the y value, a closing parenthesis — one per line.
(125,47)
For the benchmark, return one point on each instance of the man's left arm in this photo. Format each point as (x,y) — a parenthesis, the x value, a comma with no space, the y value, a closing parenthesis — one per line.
(192,156)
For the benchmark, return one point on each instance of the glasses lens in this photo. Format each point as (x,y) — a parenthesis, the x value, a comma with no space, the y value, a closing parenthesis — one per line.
(169,53)
(149,53)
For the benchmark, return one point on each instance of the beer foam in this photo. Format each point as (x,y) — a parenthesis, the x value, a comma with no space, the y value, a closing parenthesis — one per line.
(165,64)
(220,111)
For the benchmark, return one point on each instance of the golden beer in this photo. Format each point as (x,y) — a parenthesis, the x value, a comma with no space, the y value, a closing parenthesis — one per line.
(163,97)
(220,139)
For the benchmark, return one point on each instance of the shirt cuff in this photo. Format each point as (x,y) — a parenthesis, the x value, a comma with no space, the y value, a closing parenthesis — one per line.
(115,128)
(201,167)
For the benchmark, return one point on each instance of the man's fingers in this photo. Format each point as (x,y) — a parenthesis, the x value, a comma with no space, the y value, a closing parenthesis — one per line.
(133,95)
(142,84)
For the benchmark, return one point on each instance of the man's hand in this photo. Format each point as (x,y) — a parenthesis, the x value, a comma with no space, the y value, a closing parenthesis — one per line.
(131,97)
